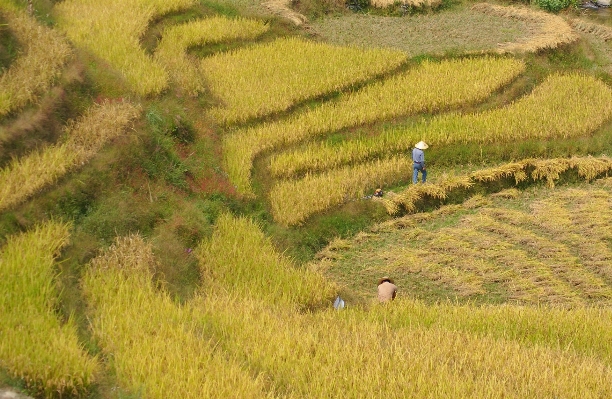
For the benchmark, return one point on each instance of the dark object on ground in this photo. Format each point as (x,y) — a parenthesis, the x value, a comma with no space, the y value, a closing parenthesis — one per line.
(589,5)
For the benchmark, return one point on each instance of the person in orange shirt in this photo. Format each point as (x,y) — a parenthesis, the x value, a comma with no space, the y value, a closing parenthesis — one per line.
(387,290)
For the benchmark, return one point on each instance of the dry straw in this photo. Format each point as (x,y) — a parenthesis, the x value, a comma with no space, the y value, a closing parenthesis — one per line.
(601,31)
(428,88)
(552,31)
(112,30)
(153,346)
(271,77)
(36,346)
(26,176)
(549,170)
(43,54)
(176,40)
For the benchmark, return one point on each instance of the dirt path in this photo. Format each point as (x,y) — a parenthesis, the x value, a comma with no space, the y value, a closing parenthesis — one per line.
(281,8)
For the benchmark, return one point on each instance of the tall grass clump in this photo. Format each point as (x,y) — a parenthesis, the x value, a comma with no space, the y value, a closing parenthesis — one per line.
(25,176)
(271,77)
(562,107)
(430,87)
(43,54)
(112,29)
(292,201)
(176,40)
(241,260)
(35,345)
(335,354)
(553,30)
(153,346)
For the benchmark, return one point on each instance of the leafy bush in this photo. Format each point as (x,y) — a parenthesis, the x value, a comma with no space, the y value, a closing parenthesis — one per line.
(554,5)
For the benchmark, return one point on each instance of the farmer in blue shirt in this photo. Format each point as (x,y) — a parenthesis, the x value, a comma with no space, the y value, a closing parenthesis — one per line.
(418,159)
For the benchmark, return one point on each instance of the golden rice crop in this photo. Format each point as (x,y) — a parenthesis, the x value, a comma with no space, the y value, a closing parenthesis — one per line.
(428,88)
(27,175)
(585,331)
(240,259)
(560,107)
(153,345)
(36,346)
(176,40)
(271,77)
(43,54)
(334,354)
(553,31)
(112,30)
(292,201)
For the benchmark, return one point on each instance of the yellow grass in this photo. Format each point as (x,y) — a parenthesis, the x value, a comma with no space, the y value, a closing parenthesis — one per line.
(152,345)
(26,176)
(428,88)
(585,331)
(334,354)
(553,31)
(35,345)
(43,54)
(563,106)
(240,259)
(176,40)
(271,77)
(112,29)
(293,201)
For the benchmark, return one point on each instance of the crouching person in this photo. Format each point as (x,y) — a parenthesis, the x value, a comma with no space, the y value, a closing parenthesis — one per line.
(387,290)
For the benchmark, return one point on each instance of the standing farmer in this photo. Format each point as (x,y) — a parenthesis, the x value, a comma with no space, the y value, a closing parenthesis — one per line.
(418,159)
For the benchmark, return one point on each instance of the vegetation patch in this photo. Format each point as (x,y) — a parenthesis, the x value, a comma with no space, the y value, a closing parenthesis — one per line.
(453,129)
(267,78)
(44,54)
(36,346)
(27,175)
(111,30)
(153,345)
(176,40)
(427,88)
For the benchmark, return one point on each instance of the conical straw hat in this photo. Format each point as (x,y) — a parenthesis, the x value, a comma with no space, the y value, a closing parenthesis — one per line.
(421,145)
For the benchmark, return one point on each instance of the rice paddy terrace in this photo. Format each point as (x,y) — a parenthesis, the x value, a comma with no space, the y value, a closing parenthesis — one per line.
(184,192)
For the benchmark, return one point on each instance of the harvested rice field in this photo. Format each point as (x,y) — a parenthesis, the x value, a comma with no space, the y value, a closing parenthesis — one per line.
(538,246)
(437,33)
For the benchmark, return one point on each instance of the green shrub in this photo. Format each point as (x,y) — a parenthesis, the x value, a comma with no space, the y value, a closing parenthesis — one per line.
(554,5)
